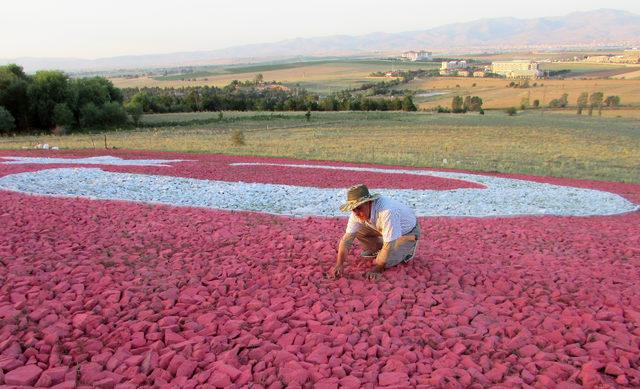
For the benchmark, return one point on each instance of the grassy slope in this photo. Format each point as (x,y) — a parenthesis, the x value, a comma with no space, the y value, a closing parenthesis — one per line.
(555,144)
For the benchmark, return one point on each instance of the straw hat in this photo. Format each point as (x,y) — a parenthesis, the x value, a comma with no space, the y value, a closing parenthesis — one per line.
(356,195)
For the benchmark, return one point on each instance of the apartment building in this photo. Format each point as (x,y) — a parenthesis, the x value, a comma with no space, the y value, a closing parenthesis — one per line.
(452,67)
(516,69)
(631,56)
(417,55)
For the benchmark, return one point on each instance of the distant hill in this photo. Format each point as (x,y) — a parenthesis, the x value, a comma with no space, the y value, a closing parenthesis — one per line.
(579,29)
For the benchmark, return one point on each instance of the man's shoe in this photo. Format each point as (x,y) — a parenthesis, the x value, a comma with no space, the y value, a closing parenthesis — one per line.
(369,254)
(410,257)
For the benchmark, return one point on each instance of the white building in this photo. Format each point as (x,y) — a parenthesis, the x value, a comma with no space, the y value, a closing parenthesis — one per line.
(516,69)
(417,55)
(452,67)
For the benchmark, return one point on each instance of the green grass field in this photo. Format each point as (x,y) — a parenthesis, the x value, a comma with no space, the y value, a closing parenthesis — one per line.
(549,143)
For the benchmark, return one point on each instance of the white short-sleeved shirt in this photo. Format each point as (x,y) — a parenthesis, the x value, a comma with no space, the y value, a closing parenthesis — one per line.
(389,217)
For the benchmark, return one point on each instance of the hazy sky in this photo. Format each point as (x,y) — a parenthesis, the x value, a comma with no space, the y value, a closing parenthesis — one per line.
(92,29)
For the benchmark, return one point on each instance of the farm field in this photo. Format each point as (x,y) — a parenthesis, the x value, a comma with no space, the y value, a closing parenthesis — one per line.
(102,287)
(323,77)
(533,142)
(593,70)
(496,94)
(535,55)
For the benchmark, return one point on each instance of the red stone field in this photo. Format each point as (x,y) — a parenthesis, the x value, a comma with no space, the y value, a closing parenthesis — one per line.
(116,294)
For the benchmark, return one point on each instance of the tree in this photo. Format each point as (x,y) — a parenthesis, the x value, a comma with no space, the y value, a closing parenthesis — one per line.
(7,123)
(89,116)
(193,101)
(564,100)
(582,102)
(258,79)
(561,102)
(62,115)
(13,94)
(612,101)
(113,114)
(145,100)
(456,104)
(135,111)
(329,103)
(466,103)
(407,104)
(595,100)
(524,103)
(536,103)
(475,104)
(49,87)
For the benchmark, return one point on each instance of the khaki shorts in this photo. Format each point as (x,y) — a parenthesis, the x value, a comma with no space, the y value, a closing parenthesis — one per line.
(402,249)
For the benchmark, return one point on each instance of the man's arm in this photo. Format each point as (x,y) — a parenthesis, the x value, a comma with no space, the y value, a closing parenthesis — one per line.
(380,262)
(343,250)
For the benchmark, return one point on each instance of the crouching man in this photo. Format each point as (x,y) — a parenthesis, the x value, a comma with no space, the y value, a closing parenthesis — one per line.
(387,229)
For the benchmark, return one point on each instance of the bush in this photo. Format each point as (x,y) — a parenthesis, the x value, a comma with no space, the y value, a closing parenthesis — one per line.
(407,104)
(511,111)
(237,138)
(7,122)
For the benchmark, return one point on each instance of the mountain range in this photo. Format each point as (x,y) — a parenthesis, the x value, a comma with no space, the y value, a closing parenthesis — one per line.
(587,30)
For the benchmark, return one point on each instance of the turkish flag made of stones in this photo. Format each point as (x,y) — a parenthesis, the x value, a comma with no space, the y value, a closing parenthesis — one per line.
(104,291)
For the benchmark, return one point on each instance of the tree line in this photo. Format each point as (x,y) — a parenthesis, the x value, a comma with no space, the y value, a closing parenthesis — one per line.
(463,105)
(239,96)
(49,99)
(586,101)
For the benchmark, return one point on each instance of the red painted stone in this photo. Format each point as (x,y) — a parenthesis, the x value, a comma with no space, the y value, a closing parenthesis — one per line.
(24,375)
(219,379)
(393,379)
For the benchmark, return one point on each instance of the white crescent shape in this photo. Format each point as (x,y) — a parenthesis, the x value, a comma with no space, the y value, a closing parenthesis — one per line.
(501,197)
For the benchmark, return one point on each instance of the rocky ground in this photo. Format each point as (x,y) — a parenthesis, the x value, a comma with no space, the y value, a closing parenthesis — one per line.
(121,294)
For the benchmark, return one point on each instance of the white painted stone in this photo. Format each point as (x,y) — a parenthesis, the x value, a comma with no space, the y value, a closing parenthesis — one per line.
(501,197)
(102,160)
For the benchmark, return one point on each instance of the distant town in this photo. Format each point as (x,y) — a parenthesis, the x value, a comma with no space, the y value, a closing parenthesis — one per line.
(514,69)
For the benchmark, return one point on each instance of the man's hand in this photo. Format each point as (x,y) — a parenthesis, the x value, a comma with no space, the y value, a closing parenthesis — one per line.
(372,275)
(336,271)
